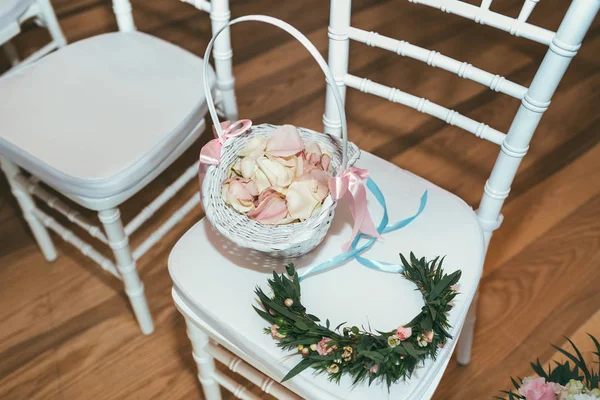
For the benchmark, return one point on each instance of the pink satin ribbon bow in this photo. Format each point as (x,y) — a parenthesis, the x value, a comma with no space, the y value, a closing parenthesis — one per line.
(211,151)
(352,182)
(210,154)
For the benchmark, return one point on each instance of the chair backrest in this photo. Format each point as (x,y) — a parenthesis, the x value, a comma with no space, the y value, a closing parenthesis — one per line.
(563,45)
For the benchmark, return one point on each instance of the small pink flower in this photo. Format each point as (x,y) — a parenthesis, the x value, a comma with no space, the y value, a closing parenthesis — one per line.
(403,333)
(275,332)
(539,389)
(428,336)
(322,347)
(374,369)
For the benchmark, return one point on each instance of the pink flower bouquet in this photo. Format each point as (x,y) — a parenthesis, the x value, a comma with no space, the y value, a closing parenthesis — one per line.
(278,180)
(561,381)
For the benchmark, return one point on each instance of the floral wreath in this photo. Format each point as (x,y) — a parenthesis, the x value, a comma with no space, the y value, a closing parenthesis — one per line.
(384,356)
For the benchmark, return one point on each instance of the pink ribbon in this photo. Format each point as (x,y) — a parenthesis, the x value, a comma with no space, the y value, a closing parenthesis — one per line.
(211,151)
(210,154)
(351,183)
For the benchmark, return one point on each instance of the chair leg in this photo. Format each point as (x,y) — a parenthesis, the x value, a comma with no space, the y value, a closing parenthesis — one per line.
(204,361)
(51,22)
(119,243)
(11,53)
(465,341)
(28,208)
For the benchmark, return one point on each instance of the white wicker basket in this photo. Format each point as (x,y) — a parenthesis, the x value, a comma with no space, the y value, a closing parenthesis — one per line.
(279,241)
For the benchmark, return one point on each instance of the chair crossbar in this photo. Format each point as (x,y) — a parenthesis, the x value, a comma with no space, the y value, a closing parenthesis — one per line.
(166,226)
(526,10)
(240,367)
(436,59)
(423,105)
(484,16)
(161,199)
(203,5)
(85,248)
(57,204)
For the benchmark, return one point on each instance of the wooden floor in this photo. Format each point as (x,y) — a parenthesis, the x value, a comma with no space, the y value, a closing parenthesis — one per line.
(67,332)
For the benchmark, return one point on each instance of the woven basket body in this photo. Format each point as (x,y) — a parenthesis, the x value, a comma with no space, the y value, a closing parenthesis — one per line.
(279,241)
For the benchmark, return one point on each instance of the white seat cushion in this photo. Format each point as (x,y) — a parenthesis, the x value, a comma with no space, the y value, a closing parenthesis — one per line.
(95,117)
(214,280)
(11,10)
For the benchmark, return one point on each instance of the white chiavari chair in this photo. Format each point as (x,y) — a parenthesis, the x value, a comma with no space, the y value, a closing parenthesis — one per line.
(214,279)
(13,13)
(97,121)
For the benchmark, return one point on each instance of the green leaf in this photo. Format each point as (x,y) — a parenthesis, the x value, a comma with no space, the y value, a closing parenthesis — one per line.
(301,325)
(539,370)
(427,323)
(290,269)
(301,366)
(338,327)
(432,312)
(264,315)
(327,324)
(312,317)
(373,355)
(411,350)
(515,384)
(444,283)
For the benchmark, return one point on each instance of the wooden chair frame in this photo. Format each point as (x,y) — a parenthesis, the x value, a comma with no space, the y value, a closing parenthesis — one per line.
(113,233)
(563,46)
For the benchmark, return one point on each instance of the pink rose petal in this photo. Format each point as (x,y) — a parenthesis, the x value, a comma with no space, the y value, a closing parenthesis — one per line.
(325,162)
(284,142)
(270,211)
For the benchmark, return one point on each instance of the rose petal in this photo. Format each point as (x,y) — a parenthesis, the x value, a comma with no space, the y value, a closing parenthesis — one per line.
(288,162)
(299,166)
(301,200)
(261,181)
(325,162)
(316,174)
(313,147)
(270,211)
(236,167)
(285,141)
(248,166)
(255,147)
(237,194)
(276,173)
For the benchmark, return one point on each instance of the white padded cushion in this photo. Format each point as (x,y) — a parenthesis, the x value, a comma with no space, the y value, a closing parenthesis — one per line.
(95,117)
(215,281)
(11,10)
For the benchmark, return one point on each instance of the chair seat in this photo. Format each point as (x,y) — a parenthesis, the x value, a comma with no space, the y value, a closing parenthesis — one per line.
(214,282)
(95,117)
(11,10)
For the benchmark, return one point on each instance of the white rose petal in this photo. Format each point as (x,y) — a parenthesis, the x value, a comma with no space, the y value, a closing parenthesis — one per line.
(301,200)
(276,173)
(313,147)
(236,167)
(255,147)
(248,166)
(261,181)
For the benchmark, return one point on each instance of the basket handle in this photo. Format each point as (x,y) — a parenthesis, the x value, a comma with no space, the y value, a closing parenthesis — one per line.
(311,49)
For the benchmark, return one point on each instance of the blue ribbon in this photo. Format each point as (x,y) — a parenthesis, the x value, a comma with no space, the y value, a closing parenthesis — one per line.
(355,250)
